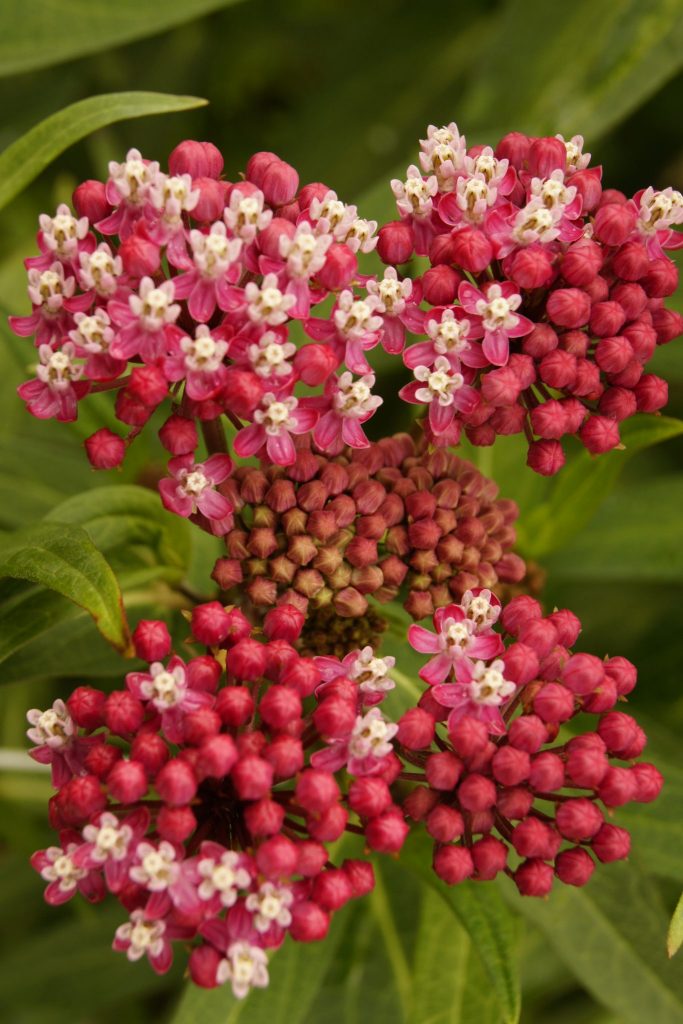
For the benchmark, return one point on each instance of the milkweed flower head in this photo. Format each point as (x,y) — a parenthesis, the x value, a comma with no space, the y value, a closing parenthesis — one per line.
(203,796)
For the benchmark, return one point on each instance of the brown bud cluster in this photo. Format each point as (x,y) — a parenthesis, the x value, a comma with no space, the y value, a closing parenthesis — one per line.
(390,519)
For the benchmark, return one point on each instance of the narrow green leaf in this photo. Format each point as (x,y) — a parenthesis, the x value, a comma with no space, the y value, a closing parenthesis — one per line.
(489,923)
(64,559)
(583,74)
(25,158)
(43,33)
(585,482)
(442,953)
(610,934)
(674,939)
(296,973)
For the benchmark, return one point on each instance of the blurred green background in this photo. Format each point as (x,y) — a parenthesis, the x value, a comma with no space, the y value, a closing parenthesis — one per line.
(343,89)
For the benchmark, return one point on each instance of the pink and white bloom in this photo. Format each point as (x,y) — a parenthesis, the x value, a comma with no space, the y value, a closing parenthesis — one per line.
(361,235)
(480,692)
(330,215)
(65,878)
(56,742)
(269,356)
(444,390)
(270,906)
(415,200)
(496,305)
(443,155)
(451,335)
(363,751)
(274,423)
(457,636)
(349,403)
(393,306)
(93,336)
(199,361)
(57,388)
(364,668)
(128,188)
(353,329)
(497,173)
(53,299)
(169,692)
(577,160)
(171,196)
(303,255)
(214,271)
(146,322)
(61,237)
(471,201)
(100,271)
(482,606)
(221,874)
(191,490)
(109,844)
(245,966)
(266,304)
(142,936)
(658,212)
(245,215)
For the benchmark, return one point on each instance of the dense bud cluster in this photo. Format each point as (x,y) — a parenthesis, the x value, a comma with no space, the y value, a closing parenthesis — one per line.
(204,795)
(502,789)
(545,293)
(333,532)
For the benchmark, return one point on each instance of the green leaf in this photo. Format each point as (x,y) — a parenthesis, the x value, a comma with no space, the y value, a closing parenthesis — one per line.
(42,33)
(610,934)
(585,482)
(584,73)
(674,939)
(25,158)
(64,559)
(490,925)
(296,972)
(621,543)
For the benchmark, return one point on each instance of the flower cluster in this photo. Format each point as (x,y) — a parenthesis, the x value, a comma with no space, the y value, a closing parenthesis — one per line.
(512,767)
(180,288)
(333,532)
(204,795)
(546,292)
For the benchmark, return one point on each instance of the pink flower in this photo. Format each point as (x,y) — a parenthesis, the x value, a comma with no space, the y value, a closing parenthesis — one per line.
(245,966)
(301,257)
(658,212)
(458,636)
(444,390)
(199,362)
(354,328)
(443,154)
(479,692)
(57,389)
(266,304)
(128,188)
(146,322)
(350,403)
(245,215)
(171,197)
(397,312)
(65,878)
(364,668)
(363,750)
(61,237)
(141,936)
(496,306)
(52,296)
(214,271)
(100,271)
(273,426)
(169,691)
(109,844)
(57,743)
(220,874)
(162,872)
(92,337)
(451,336)
(192,490)
(415,201)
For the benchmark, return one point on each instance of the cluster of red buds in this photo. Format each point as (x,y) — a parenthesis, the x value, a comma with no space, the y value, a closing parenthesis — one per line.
(546,292)
(205,794)
(496,780)
(333,532)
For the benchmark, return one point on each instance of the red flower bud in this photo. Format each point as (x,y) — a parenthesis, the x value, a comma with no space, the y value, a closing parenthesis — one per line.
(176,783)
(203,966)
(614,222)
(310,923)
(149,750)
(471,249)
(369,796)
(123,713)
(599,434)
(105,450)
(211,202)
(554,703)
(246,660)
(198,159)
(416,729)
(611,843)
(547,155)
(476,793)
(510,766)
(453,864)
(127,782)
(530,268)
(546,773)
(533,838)
(578,819)
(179,435)
(87,706)
(395,242)
(339,268)
(148,385)
(489,856)
(569,307)
(443,770)
(277,857)
(387,832)
(140,256)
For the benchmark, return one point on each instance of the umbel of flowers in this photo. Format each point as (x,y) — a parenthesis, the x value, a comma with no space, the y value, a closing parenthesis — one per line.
(206,794)
(520,751)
